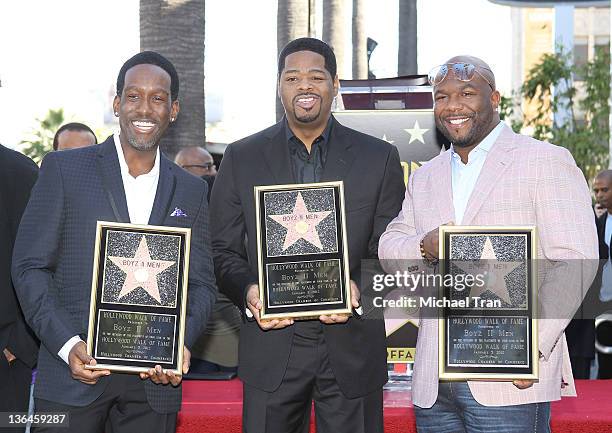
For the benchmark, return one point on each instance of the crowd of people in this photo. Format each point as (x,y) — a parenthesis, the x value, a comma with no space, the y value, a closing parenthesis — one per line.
(489,176)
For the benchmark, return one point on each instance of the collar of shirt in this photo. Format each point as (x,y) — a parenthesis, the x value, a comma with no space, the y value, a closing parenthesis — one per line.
(139,191)
(483,147)
(123,164)
(464,176)
(296,145)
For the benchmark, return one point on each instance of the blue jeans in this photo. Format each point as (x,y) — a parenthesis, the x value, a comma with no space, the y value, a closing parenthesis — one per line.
(456,411)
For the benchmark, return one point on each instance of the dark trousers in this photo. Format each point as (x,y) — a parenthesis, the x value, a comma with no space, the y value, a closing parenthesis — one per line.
(605,365)
(581,367)
(122,408)
(309,377)
(15,390)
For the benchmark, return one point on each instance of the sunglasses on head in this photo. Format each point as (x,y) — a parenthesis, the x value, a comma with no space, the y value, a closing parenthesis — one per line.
(462,71)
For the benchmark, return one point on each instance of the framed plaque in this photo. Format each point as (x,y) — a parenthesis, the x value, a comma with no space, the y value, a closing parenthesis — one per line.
(302,252)
(488,299)
(138,297)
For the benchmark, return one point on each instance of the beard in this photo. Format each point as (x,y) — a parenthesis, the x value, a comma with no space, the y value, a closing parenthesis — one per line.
(143,145)
(481,127)
(308,117)
(140,143)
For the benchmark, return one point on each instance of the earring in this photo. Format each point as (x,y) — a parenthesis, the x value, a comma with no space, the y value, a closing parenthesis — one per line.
(116,114)
(172,119)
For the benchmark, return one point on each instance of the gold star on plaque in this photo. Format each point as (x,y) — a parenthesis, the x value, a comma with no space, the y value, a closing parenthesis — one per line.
(301,224)
(141,271)
(495,272)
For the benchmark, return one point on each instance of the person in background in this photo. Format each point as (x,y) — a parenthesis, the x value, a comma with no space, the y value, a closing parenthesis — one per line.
(73,135)
(18,174)
(601,292)
(217,348)
(196,160)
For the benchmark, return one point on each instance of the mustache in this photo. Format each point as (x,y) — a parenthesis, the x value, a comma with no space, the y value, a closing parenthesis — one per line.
(307,95)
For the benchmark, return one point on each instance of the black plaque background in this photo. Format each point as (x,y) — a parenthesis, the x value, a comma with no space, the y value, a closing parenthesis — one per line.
(99,304)
(265,260)
(446,312)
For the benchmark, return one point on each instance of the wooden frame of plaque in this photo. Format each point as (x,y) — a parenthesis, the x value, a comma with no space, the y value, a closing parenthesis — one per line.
(493,335)
(138,297)
(302,251)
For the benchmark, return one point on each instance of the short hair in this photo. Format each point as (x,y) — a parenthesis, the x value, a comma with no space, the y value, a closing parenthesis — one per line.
(150,58)
(73,126)
(309,44)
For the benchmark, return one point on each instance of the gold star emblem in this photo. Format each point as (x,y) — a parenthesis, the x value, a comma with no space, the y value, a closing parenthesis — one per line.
(494,270)
(416,132)
(141,271)
(301,224)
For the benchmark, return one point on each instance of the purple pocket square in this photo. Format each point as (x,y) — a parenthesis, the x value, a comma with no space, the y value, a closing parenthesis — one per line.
(178,213)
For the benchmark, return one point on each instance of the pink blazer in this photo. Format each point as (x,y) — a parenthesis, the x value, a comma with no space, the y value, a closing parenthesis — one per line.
(523,182)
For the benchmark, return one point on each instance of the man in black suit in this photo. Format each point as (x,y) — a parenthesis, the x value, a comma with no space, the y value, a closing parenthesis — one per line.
(124,179)
(599,298)
(338,362)
(19,346)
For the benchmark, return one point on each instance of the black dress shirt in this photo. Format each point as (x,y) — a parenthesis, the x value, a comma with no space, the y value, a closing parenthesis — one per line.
(308,166)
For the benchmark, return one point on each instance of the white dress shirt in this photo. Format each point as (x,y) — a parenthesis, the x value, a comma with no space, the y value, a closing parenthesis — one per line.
(464,176)
(140,194)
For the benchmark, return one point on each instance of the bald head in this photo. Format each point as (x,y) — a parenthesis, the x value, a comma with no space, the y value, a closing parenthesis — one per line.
(465,102)
(196,160)
(602,188)
(482,67)
(605,175)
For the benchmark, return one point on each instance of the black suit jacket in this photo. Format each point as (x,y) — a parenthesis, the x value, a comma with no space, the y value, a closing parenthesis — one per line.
(17,176)
(374,190)
(52,261)
(604,251)
(580,332)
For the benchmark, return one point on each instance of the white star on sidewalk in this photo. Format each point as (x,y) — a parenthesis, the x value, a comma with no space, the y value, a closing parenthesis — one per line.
(416,133)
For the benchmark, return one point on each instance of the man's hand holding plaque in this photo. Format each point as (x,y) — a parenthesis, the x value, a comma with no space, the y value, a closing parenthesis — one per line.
(78,358)
(164,377)
(254,305)
(342,318)
(302,255)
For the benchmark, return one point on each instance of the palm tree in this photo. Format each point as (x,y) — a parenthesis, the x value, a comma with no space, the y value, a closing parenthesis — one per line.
(292,20)
(333,29)
(360,52)
(407,38)
(175,29)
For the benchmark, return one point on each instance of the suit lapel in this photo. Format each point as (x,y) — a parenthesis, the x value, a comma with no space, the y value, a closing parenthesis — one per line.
(108,166)
(496,164)
(276,154)
(443,189)
(165,191)
(604,250)
(340,155)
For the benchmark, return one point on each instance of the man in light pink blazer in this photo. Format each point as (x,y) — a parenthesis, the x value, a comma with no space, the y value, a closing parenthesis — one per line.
(492,176)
